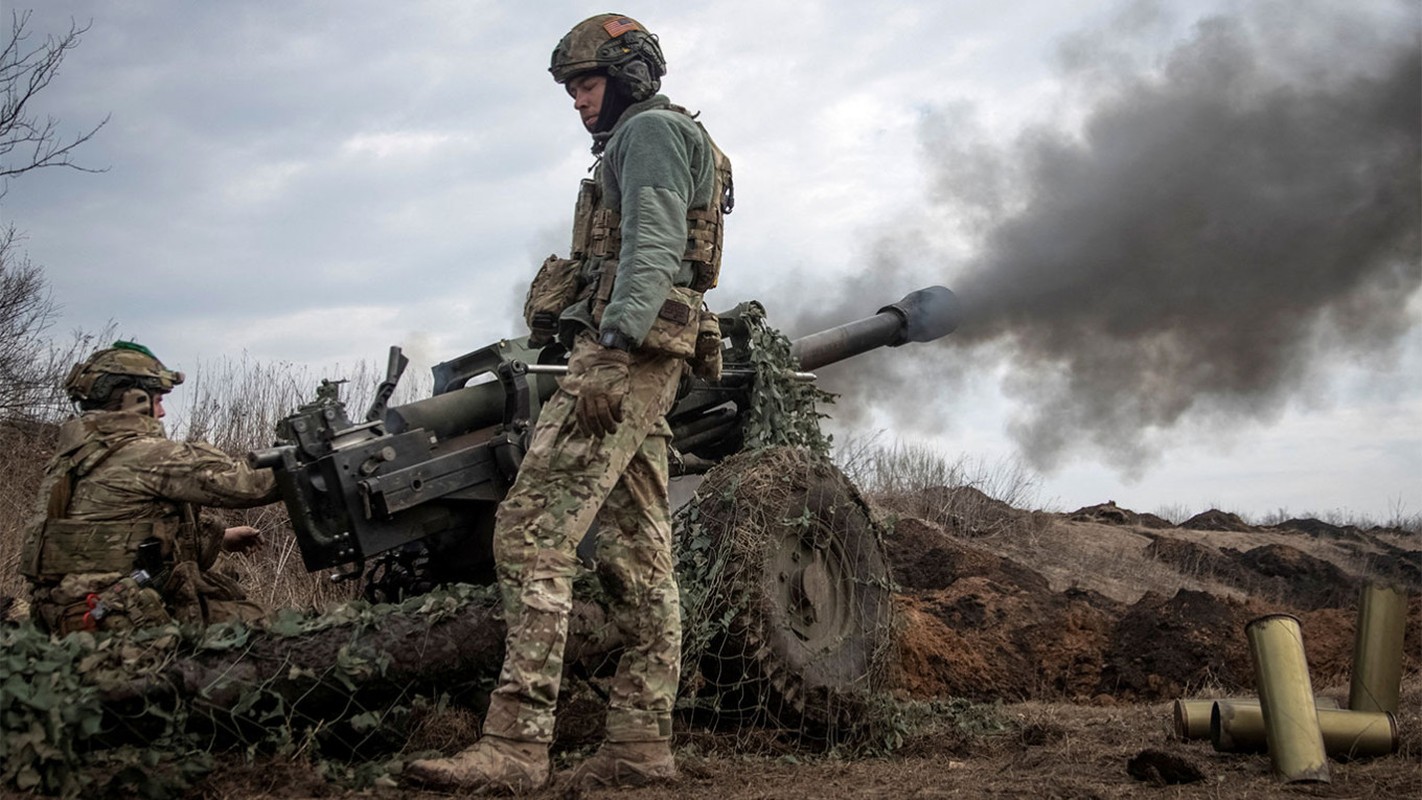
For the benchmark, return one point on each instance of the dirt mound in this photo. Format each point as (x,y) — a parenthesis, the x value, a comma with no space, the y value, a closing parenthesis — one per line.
(1164,646)
(922,557)
(1317,527)
(986,641)
(1395,565)
(1108,513)
(1273,572)
(960,510)
(978,623)
(1296,578)
(1192,558)
(981,626)
(1216,520)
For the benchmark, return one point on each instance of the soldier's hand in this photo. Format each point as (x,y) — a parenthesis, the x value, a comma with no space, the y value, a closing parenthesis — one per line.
(601,391)
(242,539)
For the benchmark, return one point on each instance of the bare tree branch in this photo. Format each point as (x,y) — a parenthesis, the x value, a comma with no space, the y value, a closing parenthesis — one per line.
(27,142)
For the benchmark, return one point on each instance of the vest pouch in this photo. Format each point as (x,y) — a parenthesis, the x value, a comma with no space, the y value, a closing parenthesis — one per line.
(128,604)
(703,247)
(30,551)
(554,288)
(677,325)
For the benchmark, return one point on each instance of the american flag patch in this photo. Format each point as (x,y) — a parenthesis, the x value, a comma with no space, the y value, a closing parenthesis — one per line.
(619,26)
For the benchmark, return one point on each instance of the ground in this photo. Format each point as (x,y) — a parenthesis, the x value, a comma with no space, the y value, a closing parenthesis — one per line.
(1039,656)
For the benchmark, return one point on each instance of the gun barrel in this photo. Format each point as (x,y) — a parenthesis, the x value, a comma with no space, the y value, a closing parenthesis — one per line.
(921,316)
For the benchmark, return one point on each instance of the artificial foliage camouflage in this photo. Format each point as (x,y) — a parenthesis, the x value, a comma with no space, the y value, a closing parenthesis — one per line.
(784,411)
(77,711)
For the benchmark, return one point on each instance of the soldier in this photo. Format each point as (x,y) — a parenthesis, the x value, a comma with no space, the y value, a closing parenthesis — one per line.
(646,245)
(117,541)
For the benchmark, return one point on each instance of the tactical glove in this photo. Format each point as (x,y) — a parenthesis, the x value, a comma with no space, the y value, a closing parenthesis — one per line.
(601,390)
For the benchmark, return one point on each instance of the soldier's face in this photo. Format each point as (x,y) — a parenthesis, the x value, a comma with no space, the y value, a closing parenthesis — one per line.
(586,92)
(158,412)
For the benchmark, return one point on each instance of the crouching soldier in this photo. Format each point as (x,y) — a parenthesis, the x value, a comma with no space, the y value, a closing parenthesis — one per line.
(117,540)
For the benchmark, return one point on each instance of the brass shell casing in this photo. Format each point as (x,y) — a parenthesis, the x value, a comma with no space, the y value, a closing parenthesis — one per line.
(1377,649)
(1239,728)
(1192,717)
(1286,699)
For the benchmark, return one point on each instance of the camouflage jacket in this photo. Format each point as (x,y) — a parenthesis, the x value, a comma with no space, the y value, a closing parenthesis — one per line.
(116,479)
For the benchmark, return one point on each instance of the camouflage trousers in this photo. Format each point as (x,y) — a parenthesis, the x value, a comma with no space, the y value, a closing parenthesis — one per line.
(567,480)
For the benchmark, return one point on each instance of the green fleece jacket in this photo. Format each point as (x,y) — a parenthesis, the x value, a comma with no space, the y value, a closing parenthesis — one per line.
(657,164)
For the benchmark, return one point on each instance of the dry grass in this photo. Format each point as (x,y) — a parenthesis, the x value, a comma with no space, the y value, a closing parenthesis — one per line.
(908,469)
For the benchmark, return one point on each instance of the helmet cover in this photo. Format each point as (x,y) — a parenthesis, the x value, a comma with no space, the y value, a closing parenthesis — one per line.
(615,45)
(125,365)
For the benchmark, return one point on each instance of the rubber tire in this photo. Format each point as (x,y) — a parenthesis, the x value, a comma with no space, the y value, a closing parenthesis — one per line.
(808,591)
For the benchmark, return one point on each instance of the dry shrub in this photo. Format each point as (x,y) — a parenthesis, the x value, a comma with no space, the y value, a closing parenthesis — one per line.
(24,447)
(965,496)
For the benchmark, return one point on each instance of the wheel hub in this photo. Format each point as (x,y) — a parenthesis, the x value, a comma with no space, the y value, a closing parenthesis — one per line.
(816,592)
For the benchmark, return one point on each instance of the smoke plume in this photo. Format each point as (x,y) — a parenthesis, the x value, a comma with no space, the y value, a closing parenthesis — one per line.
(1223,222)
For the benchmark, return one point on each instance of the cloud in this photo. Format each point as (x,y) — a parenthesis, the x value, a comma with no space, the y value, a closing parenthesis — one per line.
(1230,217)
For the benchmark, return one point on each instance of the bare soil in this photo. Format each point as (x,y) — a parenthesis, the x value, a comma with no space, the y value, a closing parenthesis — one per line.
(1039,655)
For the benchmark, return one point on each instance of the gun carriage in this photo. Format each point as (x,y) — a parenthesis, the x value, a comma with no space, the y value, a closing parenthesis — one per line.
(404,499)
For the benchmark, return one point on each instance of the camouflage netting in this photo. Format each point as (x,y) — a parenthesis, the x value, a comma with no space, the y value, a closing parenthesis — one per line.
(786,596)
(142,711)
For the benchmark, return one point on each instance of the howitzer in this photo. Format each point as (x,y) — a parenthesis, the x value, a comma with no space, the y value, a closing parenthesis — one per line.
(407,496)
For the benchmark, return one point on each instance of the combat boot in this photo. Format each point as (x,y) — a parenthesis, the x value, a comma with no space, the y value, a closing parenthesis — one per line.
(625,764)
(494,765)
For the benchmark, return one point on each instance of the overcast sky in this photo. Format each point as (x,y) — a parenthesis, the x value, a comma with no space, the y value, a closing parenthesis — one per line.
(1208,190)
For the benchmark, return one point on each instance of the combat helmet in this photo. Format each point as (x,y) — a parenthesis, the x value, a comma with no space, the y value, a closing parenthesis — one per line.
(616,45)
(97,381)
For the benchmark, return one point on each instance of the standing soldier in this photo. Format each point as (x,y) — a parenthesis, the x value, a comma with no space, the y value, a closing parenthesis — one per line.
(117,541)
(646,245)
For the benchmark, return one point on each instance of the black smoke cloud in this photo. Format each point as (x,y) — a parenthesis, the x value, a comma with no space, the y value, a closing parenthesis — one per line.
(1224,223)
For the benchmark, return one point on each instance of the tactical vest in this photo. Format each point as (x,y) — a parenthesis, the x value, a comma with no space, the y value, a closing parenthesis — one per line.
(591,272)
(57,545)
(597,228)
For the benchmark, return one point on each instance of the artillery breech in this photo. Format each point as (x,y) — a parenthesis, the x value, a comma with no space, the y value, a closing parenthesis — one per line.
(1286,699)
(1192,717)
(1377,649)
(1239,728)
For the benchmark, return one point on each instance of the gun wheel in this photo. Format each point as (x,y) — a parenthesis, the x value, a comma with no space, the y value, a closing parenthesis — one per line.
(793,575)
